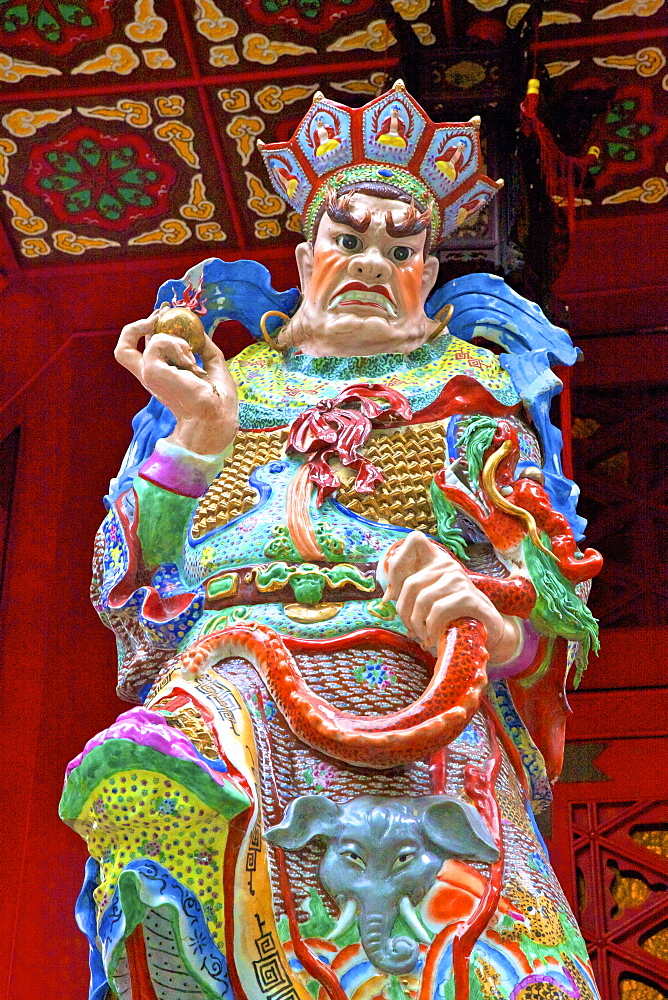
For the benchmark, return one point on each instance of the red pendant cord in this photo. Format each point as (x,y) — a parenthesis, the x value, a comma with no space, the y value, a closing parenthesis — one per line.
(316,968)
(479,785)
(140,977)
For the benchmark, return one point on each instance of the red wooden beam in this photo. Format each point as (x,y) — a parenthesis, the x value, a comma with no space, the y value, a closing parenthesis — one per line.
(215,80)
(605,715)
(595,40)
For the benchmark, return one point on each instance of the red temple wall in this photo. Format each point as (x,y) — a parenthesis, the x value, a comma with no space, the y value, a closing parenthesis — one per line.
(74,405)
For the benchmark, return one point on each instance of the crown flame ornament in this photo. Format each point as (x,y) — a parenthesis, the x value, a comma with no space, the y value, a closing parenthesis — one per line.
(390,140)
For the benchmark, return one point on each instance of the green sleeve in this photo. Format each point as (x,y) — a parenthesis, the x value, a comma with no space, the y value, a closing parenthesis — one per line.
(163,519)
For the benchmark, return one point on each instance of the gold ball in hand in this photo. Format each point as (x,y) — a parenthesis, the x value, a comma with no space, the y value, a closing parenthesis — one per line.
(183,323)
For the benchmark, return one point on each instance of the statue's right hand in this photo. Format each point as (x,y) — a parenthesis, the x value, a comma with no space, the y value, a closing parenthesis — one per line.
(126,351)
(203,399)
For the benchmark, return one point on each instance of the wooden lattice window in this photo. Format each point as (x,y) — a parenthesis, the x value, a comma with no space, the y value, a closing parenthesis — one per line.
(621,866)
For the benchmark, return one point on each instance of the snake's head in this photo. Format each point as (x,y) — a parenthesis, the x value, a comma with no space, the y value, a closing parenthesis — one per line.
(383,567)
(505,469)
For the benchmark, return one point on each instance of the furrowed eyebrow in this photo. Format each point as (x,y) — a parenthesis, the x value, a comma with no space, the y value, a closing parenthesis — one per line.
(412,224)
(338,209)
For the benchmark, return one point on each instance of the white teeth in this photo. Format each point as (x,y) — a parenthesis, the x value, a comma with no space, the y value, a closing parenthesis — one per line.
(357,295)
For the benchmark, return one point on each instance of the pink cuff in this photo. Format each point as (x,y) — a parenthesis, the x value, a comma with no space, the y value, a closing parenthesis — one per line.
(522,659)
(181,471)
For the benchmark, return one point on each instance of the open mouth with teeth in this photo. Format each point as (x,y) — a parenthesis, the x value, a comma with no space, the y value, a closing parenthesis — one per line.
(361,295)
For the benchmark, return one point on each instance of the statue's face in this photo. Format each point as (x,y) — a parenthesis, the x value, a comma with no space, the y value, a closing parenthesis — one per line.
(363,291)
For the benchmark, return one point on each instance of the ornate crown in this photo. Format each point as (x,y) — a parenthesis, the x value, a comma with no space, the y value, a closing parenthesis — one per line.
(389,140)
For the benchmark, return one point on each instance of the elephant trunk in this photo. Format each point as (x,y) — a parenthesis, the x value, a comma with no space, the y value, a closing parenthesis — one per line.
(392,955)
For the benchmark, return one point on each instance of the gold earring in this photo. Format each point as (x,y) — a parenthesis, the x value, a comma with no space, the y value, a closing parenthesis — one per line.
(444,316)
(281,348)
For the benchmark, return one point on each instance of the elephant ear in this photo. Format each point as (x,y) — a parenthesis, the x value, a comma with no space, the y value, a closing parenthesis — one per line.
(458,829)
(307,817)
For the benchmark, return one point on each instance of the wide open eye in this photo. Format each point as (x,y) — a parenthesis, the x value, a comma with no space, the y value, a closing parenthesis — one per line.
(403,859)
(349,242)
(400,254)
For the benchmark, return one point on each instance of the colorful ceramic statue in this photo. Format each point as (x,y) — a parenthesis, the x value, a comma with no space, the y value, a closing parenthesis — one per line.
(344,578)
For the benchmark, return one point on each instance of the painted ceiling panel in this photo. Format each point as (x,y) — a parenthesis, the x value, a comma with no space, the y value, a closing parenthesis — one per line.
(129,128)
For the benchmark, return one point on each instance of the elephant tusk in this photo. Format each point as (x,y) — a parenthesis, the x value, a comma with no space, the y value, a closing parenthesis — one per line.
(408,913)
(346,918)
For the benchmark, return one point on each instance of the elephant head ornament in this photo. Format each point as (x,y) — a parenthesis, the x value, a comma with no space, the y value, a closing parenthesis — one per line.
(382,856)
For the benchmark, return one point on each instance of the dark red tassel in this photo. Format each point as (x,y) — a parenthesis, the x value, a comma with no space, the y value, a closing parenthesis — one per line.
(563,175)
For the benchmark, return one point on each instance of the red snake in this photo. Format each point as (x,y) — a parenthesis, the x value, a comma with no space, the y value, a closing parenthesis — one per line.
(436,718)
(459,673)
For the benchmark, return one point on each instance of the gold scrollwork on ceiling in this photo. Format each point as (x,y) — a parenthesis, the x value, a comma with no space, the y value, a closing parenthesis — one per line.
(213,24)
(423,33)
(549,17)
(116,58)
(294,223)
(646,62)
(561,66)
(68,242)
(22,123)
(410,10)
(273,98)
(652,190)
(171,106)
(376,37)
(487,5)
(135,113)
(244,129)
(14,70)
(266,229)
(260,200)
(170,232)
(233,100)
(23,218)
(258,48)
(7,148)
(147,26)
(628,8)
(197,208)
(223,55)
(158,59)
(209,232)
(373,85)
(180,137)
(34,246)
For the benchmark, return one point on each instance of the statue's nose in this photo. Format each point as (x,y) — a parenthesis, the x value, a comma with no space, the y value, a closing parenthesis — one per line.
(370,267)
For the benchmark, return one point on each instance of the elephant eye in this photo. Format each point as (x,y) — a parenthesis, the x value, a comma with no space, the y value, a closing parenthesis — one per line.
(403,859)
(354,857)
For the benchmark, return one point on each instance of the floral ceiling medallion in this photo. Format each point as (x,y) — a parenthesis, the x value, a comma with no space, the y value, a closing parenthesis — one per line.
(109,181)
(56,26)
(306,15)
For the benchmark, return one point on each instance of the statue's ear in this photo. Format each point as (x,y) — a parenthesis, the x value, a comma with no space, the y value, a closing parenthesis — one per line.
(304,259)
(429,275)
(307,817)
(458,829)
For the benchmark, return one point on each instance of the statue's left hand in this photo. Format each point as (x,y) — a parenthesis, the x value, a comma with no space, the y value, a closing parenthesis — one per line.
(431,589)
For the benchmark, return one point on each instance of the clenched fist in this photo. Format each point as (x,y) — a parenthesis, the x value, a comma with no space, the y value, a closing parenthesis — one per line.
(431,589)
